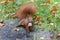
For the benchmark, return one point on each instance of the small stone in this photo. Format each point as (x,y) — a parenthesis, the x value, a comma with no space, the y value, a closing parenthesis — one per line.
(17,39)
(42,38)
(16,29)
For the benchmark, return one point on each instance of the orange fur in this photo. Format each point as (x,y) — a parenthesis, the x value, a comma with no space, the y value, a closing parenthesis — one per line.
(26,9)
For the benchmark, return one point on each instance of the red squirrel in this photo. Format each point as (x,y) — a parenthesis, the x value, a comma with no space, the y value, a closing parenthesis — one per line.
(27,9)
(23,11)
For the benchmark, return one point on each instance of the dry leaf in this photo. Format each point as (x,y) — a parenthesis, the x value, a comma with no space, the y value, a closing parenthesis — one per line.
(44,4)
(54,8)
(48,1)
(1,24)
(2,2)
(58,35)
(38,18)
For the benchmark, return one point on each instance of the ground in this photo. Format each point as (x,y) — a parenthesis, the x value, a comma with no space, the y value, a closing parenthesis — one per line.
(7,32)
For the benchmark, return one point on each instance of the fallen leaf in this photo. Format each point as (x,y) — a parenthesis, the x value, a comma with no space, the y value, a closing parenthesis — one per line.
(1,24)
(53,8)
(44,4)
(48,1)
(58,35)
(2,2)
